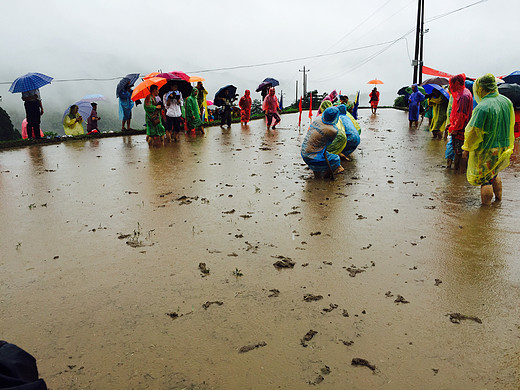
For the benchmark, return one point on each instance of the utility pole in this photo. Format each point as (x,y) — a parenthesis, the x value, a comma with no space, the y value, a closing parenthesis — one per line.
(296,91)
(304,80)
(422,43)
(418,39)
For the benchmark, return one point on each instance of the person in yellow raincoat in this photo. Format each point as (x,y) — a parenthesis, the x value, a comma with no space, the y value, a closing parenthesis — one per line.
(489,138)
(439,104)
(72,123)
(201,101)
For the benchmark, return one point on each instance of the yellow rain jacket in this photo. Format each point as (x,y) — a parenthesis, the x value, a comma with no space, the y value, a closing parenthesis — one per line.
(489,136)
(73,126)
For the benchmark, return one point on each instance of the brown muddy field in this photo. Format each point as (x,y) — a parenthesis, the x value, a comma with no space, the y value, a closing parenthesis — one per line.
(390,277)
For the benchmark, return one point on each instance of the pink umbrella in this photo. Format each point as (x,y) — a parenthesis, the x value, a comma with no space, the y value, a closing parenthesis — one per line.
(209,102)
(175,75)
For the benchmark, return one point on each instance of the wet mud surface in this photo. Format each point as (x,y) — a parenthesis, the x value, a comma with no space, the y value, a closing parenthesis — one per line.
(209,263)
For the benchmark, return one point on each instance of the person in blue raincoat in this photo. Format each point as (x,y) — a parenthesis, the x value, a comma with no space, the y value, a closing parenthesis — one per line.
(125,107)
(351,131)
(414,102)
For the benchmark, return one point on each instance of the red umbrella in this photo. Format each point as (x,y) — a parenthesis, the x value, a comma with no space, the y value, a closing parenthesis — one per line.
(375,81)
(175,75)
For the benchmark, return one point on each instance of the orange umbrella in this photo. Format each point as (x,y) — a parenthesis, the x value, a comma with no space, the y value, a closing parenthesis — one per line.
(143,89)
(150,75)
(195,79)
(376,81)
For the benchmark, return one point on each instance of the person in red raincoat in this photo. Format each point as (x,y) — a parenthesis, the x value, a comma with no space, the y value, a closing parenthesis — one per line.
(245,107)
(374,100)
(461,110)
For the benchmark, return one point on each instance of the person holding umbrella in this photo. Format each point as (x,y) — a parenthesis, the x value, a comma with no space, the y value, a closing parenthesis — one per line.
(29,85)
(374,100)
(226,102)
(125,106)
(154,128)
(33,112)
(271,106)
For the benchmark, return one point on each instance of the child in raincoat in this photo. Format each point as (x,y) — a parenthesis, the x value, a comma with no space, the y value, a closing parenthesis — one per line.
(489,138)
(193,113)
(439,106)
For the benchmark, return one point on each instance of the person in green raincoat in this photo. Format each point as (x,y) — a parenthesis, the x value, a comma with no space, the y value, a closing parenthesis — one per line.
(154,129)
(193,113)
(489,138)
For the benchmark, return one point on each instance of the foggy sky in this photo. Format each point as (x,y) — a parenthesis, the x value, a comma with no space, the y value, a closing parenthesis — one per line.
(103,39)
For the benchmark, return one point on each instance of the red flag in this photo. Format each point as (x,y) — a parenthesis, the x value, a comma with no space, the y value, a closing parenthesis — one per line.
(434,72)
(310,108)
(300,108)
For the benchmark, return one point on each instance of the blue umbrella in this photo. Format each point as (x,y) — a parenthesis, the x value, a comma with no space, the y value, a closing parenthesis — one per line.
(271,81)
(84,109)
(513,78)
(29,82)
(130,78)
(430,87)
(232,90)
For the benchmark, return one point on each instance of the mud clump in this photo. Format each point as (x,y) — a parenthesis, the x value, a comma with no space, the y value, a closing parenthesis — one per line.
(284,262)
(274,293)
(311,297)
(203,269)
(208,304)
(457,317)
(400,299)
(308,337)
(250,347)
(437,282)
(353,271)
(363,362)
(331,307)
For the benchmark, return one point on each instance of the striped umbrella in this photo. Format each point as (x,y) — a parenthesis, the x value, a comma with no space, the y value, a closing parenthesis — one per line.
(29,82)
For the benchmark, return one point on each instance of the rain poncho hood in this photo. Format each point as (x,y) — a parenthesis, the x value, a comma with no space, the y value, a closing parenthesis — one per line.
(489,135)
(324,105)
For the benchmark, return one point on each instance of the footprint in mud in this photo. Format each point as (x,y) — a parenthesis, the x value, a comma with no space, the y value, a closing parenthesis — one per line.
(209,303)
(363,363)
(311,297)
(457,317)
(250,347)
(308,337)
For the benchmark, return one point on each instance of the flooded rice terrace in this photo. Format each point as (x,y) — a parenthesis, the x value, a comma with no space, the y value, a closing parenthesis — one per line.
(219,263)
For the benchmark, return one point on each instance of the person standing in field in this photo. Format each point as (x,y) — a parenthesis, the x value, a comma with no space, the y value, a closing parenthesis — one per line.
(245,107)
(374,100)
(33,112)
(489,138)
(414,102)
(271,106)
(461,109)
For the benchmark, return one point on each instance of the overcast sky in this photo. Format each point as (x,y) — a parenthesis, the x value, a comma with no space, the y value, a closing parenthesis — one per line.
(108,38)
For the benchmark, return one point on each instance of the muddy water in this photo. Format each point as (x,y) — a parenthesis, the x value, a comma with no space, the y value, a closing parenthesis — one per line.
(101,239)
